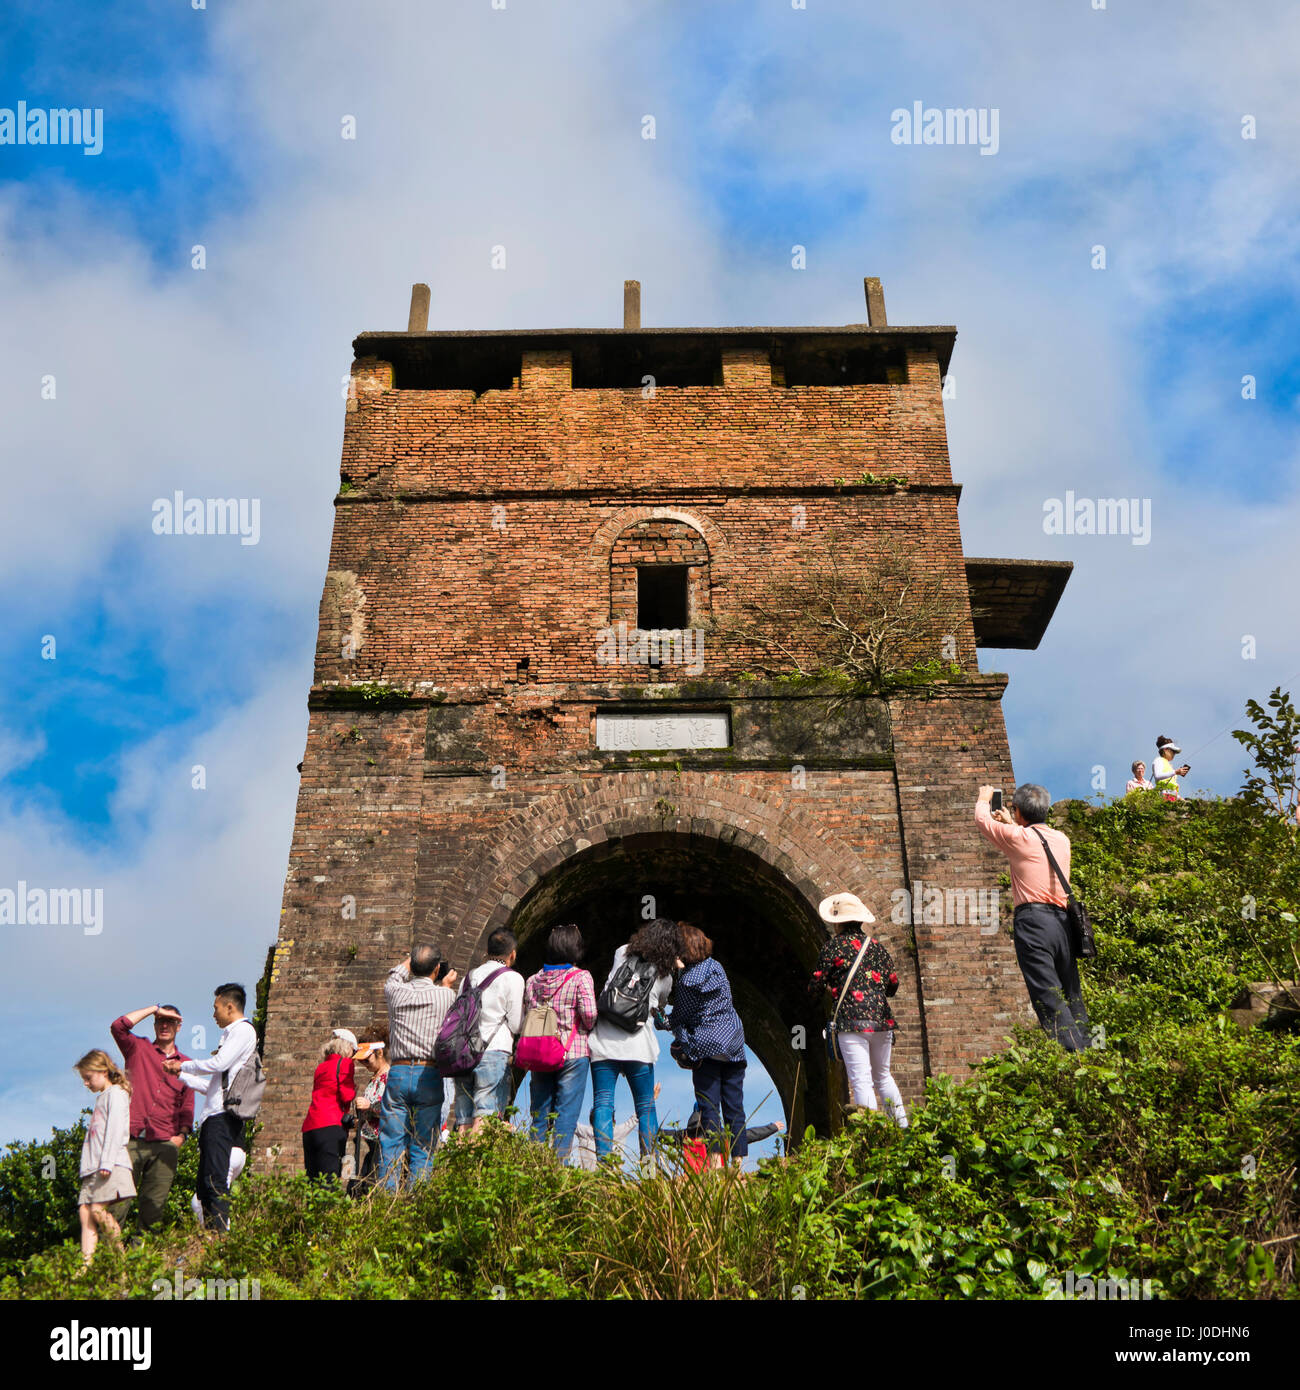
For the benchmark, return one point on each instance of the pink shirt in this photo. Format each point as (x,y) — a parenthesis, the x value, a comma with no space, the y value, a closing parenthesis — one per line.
(1032,879)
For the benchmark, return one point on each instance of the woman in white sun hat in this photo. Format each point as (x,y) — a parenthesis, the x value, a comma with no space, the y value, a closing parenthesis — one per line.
(856,976)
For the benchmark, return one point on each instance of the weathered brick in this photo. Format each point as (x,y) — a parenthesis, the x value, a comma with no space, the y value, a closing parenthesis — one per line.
(479,529)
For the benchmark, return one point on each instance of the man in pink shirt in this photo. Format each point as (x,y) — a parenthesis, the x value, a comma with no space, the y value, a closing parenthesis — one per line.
(1042,934)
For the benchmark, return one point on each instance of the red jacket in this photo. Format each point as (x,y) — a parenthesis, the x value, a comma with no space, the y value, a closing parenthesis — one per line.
(333,1089)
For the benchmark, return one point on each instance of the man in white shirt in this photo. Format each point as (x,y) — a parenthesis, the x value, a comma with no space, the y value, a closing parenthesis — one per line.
(219,1130)
(486,1090)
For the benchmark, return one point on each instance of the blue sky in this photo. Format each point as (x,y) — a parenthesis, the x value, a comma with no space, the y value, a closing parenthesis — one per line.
(222,129)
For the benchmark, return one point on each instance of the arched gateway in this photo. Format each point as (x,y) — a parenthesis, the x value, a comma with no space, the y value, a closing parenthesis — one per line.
(493,740)
(748,871)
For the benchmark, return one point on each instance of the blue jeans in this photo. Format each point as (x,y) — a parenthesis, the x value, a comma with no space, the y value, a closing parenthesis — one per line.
(410,1117)
(641,1078)
(559,1093)
(485,1090)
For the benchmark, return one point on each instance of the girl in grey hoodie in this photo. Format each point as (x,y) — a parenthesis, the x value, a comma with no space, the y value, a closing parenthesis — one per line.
(105,1162)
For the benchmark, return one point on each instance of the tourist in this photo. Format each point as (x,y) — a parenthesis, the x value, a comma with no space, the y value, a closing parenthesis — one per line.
(710,1039)
(162,1107)
(418,994)
(448,1106)
(485,1091)
(220,1130)
(1044,949)
(623,1042)
(373,1056)
(856,975)
(1163,772)
(1138,782)
(694,1144)
(583,1153)
(105,1160)
(556,1096)
(333,1089)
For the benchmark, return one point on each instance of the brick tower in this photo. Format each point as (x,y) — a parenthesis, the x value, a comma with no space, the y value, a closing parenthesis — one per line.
(486,747)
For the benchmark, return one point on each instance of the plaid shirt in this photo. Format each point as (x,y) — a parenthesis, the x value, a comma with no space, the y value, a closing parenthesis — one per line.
(574,999)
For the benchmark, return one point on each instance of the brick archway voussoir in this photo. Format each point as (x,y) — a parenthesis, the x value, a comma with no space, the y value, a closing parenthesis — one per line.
(555,829)
(609,530)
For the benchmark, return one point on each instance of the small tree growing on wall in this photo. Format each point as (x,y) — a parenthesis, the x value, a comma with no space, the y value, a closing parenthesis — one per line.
(864,618)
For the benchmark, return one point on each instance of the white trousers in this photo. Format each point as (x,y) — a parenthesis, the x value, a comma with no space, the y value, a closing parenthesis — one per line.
(866,1059)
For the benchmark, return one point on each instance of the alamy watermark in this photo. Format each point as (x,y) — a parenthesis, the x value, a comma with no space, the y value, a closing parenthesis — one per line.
(1098,516)
(59,125)
(53,907)
(179,515)
(1082,1287)
(624,646)
(959,125)
(221,1290)
(933,907)
(74,1342)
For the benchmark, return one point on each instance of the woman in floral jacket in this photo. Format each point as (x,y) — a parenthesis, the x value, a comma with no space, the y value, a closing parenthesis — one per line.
(864,1025)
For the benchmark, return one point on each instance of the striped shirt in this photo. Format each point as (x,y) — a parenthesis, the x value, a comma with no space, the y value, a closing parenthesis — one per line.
(416,1009)
(572,994)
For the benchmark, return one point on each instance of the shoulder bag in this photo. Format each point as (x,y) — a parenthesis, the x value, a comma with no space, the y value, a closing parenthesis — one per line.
(1082,941)
(832,1047)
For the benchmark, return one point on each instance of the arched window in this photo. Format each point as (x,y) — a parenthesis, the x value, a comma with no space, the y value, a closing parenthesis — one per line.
(659,576)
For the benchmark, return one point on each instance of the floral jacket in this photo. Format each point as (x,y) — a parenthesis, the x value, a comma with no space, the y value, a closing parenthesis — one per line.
(866,1005)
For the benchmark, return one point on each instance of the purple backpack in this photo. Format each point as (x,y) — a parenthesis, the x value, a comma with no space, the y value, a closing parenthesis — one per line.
(458,1049)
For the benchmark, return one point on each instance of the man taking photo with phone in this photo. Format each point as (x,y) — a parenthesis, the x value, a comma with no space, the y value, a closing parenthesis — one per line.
(1042,934)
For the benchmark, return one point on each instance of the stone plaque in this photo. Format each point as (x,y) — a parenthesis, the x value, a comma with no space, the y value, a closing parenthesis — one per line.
(622,733)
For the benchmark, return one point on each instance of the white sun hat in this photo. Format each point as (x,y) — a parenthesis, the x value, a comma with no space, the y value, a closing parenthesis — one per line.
(844,907)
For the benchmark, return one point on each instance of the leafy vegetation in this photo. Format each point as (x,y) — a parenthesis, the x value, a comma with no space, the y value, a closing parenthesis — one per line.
(1168,1154)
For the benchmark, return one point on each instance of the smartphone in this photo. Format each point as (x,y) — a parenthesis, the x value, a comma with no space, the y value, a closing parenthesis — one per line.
(997,801)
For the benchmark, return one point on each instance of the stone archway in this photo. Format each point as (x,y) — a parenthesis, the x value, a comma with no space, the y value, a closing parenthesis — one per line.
(739,859)
(763,931)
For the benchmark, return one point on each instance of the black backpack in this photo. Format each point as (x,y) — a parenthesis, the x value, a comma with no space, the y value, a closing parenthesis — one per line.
(625,1000)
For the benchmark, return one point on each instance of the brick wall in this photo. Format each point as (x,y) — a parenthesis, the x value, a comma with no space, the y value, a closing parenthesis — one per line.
(476,531)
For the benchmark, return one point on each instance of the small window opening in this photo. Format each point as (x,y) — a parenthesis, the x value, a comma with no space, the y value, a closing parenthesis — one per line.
(661,597)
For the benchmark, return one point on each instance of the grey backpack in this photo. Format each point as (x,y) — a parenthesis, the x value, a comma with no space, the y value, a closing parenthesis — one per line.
(241,1094)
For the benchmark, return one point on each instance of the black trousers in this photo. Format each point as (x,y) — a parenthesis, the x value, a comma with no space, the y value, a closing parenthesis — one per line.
(721,1086)
(322,1151)
(1051,973)
(218,1134)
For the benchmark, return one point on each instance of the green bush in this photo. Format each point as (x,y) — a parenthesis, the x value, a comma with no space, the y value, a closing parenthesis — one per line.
(1169,1154)
(39,1184)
